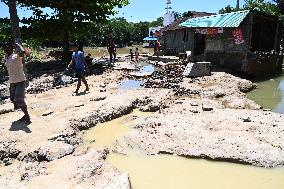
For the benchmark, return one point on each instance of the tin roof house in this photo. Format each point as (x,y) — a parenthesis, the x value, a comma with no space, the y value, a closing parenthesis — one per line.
(244,41)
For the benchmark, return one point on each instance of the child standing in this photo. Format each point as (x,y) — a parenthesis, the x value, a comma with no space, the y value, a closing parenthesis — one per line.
(136,55)
(131,55)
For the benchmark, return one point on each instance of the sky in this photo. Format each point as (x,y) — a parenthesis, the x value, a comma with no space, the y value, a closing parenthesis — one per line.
(150,10)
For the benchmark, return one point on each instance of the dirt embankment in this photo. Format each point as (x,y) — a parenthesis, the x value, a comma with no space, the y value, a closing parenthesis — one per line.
(206,117)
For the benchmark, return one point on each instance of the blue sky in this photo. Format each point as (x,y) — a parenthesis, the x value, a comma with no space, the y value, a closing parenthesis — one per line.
(149,10)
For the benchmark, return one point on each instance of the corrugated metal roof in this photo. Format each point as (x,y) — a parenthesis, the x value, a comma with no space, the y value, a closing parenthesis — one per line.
(191,14)
(228,20)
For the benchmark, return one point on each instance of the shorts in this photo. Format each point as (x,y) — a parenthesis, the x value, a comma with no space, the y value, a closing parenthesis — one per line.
(17,94)
(80,74)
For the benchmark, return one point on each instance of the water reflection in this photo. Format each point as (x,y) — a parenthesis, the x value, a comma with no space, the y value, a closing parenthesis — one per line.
(280,106)
(130,84)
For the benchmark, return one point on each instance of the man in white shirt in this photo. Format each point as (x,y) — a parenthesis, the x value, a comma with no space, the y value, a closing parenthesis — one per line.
(17,78)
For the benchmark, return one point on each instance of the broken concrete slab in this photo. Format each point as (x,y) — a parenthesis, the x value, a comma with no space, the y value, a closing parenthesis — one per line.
(197,69)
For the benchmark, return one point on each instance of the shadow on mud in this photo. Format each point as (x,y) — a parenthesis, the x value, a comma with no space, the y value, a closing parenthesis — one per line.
(20,126)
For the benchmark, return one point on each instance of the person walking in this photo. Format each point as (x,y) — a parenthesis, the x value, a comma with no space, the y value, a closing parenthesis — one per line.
(111,50)
(14,64)
(131,55)
(136,54)
(158,47)
(80,67)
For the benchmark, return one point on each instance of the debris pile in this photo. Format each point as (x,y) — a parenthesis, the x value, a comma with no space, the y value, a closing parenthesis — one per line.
(45,83)
(170,78)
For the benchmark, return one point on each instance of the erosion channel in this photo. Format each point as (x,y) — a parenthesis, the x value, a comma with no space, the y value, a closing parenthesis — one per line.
(172,171)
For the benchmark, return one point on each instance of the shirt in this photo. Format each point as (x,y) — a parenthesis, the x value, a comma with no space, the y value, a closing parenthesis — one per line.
(78,57)
(14,64)
(111,47)
(136,53)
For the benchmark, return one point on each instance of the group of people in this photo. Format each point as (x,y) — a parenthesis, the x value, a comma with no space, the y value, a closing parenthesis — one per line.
(14,62)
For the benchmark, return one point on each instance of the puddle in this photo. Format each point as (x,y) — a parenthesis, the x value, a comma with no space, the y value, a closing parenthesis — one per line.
(174,172)
(148,68)
(270,94)
(130,84)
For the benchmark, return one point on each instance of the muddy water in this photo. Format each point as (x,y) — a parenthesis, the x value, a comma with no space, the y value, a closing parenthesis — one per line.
(130,84)
(144,68)
(172,172)
(270,94)
(147,67)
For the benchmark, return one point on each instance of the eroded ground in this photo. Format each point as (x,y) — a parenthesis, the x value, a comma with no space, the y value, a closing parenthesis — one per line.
(208,117)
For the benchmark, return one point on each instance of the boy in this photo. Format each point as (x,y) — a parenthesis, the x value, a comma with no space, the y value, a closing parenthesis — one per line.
(80,67)
(17,78)
(136,55)
(131,55)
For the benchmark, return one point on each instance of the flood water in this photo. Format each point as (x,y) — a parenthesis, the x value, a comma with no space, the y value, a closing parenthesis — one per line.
(144,68)
(147,67)
(174,172)
(270,94)
(130,84)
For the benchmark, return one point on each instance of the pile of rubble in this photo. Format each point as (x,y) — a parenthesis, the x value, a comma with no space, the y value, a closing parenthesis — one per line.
(48,82)
(170,78)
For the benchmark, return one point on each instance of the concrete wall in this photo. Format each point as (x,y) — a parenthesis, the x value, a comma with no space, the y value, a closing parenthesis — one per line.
(222,52)
(177,41)
(264,65)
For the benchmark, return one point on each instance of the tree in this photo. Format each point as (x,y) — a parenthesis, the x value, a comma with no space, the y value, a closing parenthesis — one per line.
(68,16)
(158,22)
(177,15)
(228,9)
(262,6)
(5,30)
(259,5)
(14,19)
(238,5)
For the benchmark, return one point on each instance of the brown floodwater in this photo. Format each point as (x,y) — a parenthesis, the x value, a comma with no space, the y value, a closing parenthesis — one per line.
(269,94)
(174,172)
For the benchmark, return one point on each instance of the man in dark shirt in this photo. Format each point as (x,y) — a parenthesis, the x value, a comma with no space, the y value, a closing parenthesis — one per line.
(111,50)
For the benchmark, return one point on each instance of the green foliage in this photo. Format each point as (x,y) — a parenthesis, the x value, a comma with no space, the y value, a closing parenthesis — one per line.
(5,30)
(177,15)
(262,6)
(265,6)
(158,22)
(228,9)
(123,32)
(67,18)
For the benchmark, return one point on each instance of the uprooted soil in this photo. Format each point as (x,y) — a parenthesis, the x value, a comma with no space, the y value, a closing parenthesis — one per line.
(207,117)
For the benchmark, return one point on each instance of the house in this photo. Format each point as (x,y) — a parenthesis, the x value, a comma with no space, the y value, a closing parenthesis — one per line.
(244,41)
(177,39)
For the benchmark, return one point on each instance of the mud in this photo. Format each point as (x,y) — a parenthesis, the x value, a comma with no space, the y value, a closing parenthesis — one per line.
(207,117)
